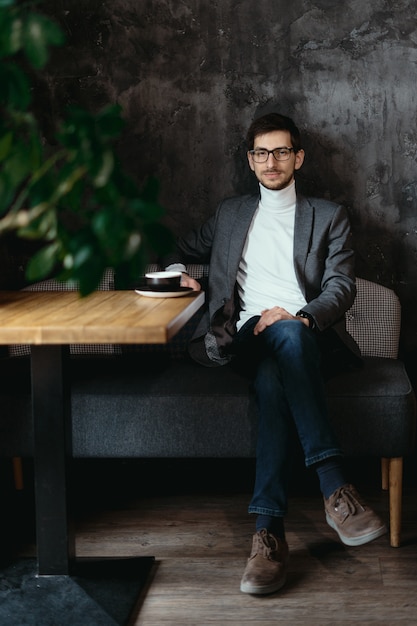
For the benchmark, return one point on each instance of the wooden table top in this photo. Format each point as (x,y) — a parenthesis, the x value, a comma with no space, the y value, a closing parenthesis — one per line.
(63,317)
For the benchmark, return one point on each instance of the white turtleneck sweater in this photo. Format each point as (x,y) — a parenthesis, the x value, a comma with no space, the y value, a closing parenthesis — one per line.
(266,276)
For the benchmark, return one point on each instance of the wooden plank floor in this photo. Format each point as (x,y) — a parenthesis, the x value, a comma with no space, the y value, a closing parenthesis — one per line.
(195,522)
(201,539)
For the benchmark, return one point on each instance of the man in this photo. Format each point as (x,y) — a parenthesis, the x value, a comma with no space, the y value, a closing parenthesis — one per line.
(281,279)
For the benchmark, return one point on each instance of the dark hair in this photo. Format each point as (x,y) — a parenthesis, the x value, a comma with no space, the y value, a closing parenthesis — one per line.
(271,122)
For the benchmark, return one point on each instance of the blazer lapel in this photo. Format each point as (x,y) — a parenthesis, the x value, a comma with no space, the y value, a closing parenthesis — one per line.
(239,230)
(303,227)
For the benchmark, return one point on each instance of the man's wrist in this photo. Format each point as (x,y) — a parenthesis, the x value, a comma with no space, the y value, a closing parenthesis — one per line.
(307,316)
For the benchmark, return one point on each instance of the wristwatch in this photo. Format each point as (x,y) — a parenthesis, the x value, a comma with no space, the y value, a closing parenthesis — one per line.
(307,316)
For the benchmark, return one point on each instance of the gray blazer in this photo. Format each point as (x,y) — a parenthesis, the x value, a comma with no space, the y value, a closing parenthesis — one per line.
(323,261)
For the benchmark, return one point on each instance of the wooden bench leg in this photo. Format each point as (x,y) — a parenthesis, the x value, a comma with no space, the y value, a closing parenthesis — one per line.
(392,477)
(17,472)
(385,474)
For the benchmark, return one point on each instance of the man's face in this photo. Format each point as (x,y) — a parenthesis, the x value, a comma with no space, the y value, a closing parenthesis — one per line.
(275,174)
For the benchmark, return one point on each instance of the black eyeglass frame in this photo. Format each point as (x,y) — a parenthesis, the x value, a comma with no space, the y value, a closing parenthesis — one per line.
(253,153)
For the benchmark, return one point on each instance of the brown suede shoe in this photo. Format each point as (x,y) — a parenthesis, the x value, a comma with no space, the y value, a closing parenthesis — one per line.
(351,518)
(267,565)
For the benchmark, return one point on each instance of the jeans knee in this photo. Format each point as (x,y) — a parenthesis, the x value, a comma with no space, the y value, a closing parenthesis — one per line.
(291,337)
(287,330)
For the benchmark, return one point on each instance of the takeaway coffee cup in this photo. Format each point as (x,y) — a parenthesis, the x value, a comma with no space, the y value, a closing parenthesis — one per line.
(163,280)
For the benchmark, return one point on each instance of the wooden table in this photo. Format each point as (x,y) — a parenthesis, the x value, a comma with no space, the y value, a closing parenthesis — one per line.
(62,317)
(49,322)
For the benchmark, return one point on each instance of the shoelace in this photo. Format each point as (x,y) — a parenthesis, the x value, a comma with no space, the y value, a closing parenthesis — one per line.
(267,542)
(345,495)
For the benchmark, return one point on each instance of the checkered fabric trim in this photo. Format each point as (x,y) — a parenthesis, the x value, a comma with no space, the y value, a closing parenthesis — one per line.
(374,320)
(198,271)
(106,284)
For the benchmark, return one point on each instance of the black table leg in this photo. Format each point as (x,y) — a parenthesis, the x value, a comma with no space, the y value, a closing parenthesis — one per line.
(100,591)
(52,444)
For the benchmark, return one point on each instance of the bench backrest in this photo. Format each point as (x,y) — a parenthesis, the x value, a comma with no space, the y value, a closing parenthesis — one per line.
(374,320)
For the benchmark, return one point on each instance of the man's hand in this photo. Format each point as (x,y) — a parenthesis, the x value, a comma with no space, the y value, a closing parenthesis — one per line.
(187,281)
(276,314)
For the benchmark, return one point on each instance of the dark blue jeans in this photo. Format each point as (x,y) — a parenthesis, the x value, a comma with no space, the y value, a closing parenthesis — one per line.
(285,362)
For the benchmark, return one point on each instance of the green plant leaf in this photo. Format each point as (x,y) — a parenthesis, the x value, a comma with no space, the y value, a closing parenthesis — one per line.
(7,193)
(43,262)
(73,194)
(15,90)
(109,121)
(106,168)
(5,145)
(85,254)
(89,275)
(18,166)
(39,33)
(42,227)
(11,27)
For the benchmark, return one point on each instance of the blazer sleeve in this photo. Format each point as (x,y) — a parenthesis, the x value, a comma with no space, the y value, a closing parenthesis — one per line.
(195,247)
(330,287)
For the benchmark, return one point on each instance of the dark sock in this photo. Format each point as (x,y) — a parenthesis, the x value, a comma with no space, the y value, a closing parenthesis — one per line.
(331,476)
(274,525)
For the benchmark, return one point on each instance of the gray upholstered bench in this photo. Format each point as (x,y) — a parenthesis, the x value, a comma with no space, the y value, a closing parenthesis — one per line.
(155,402)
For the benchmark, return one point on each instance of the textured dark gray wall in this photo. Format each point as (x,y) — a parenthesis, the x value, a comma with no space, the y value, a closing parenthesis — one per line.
(190,76)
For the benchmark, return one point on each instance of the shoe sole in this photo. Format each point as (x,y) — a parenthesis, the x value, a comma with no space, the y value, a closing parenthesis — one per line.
(357,541)
(260,591)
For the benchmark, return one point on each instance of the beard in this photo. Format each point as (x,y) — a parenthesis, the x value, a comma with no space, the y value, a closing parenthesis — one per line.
(281,181)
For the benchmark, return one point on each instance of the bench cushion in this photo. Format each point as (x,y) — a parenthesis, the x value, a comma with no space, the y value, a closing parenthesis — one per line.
(134,407)
(373,409)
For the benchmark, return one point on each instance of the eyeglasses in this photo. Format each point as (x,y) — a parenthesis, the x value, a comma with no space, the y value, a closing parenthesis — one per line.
(261,155)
